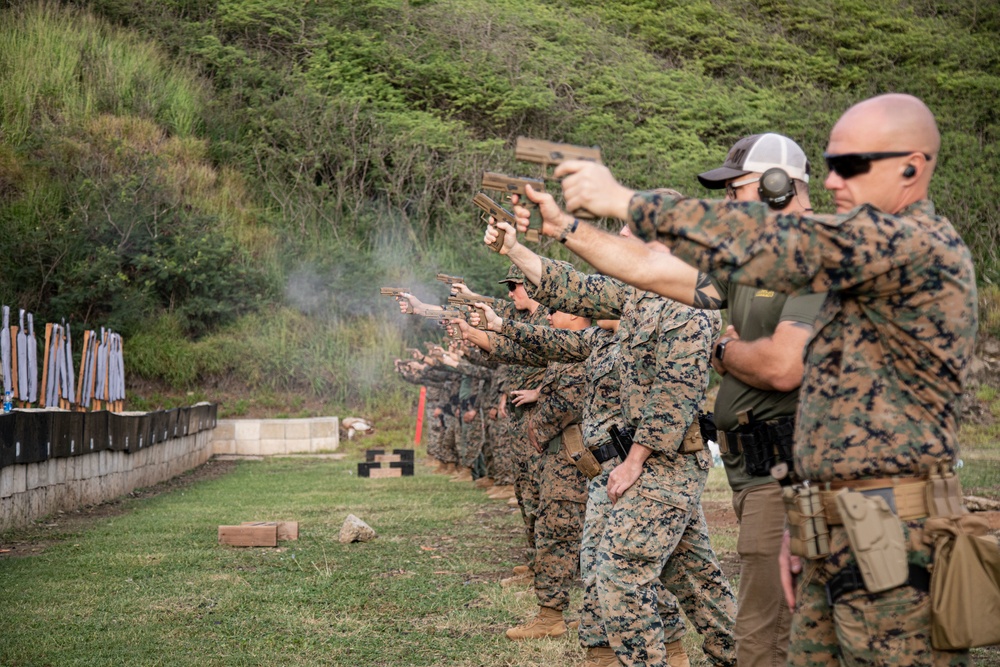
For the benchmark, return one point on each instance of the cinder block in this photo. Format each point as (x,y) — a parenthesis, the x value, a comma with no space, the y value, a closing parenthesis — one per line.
(247,429)
(248,447)
(6,482)
(20,481)
(331,444)
(273,447)
(224,446)
(225,430)
(324,427)
(297,429)
(272,429)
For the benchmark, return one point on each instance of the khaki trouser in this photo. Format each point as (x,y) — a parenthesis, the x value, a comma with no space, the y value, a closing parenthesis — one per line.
(763,620)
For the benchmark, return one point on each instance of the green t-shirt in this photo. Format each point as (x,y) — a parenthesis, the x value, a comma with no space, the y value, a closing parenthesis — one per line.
(755,313)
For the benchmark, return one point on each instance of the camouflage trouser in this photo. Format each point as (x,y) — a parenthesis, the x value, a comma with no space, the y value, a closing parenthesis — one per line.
(763,620)
(558,527)
(592,634)
(657,538)
(501,468)
(528,465)
(449,439)
(472,440)
(862,628)
(435,432)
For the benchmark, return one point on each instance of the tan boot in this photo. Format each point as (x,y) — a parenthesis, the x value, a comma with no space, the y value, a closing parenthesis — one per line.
(462,475)
(676,655)
(502,492)
(601,656)
(449,468)
(548,623)
(519,580)
(522,569)
(574,624)
(483,483)
(512,501)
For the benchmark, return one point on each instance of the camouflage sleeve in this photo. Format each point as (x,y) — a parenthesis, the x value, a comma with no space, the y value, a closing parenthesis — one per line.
(678,387)
(560,402)
(480,358)
(504,308)
(564,288)
(507,351)
(747,243)
(553,344)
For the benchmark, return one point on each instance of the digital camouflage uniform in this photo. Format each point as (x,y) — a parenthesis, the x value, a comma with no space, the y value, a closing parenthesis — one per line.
(656,535)
(884,374)
(763,620)
(561,489)
(437,384)
(469,440)
(601,409)
(510,377)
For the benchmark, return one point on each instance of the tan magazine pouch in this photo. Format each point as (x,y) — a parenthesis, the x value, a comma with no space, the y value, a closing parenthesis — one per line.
(965,583)
(693,442)
(581,457)
(807,526)
(876,536)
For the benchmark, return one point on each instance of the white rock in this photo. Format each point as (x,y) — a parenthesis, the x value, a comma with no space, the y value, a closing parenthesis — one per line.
(356,530)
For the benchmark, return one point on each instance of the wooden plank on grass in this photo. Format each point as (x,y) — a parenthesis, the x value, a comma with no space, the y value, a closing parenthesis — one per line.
(249,536)
(287,530)
(385,472)
(388,458)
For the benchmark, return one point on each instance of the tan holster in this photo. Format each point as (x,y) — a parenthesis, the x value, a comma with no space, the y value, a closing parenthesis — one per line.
(582,458)
(693,442)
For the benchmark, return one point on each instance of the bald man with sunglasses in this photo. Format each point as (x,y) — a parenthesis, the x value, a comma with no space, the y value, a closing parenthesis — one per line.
(884,371)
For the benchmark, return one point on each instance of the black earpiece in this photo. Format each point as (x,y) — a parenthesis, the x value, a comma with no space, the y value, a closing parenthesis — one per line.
(776,188)
(910,171)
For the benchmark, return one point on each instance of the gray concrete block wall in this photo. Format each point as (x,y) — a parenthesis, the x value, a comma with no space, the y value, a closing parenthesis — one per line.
(29,491)
(271,437)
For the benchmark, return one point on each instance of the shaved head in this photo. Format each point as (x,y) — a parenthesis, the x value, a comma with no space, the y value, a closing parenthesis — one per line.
(893,122)
(886,124)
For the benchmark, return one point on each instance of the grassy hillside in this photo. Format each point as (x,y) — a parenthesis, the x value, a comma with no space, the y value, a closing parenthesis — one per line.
(226,181)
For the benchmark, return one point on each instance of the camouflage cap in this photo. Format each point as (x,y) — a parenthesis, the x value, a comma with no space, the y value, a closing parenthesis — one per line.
(758,153)
(514,275)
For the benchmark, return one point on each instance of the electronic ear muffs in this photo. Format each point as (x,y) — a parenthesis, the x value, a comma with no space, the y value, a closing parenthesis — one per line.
(910,171)
(776,188)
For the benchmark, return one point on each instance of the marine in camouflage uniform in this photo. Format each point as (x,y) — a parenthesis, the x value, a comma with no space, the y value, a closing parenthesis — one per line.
(656,535)
(437,384)
(515,444)
(599,349)
(886,367)
(469,434)
(561,488)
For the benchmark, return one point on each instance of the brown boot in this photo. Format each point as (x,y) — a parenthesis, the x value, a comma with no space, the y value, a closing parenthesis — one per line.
(483,483)
(548,623)
(462,475)
(522,569)
(676,655)
(502,492)
(449,468)
(527,579)
(601,656)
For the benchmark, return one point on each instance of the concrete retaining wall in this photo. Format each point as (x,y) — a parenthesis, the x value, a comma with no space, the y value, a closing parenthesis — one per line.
(30,491)
(268,437)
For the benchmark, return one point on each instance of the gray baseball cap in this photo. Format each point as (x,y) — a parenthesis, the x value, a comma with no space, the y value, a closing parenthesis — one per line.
(758,153)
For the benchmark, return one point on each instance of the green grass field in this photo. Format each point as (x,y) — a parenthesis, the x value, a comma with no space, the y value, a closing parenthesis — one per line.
(144,582)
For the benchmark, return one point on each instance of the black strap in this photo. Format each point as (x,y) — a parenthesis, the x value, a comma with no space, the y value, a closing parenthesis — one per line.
(605,452)
(849,580)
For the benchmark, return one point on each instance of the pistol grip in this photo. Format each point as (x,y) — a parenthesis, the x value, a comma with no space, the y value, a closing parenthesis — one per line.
(497,244)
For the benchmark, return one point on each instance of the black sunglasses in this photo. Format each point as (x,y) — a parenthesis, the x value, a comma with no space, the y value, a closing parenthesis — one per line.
(848,165)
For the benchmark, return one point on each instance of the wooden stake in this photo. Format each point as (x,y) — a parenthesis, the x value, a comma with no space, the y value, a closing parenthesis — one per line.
(45,364)
(13,363)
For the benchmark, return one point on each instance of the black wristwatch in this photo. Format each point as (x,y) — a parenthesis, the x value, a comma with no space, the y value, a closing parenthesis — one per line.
(720,348)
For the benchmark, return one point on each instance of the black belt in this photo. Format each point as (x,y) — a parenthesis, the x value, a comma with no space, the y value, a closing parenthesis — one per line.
(605,452)
(849,580)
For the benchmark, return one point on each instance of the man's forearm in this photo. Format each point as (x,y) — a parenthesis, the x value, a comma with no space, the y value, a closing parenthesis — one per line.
(526,260)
